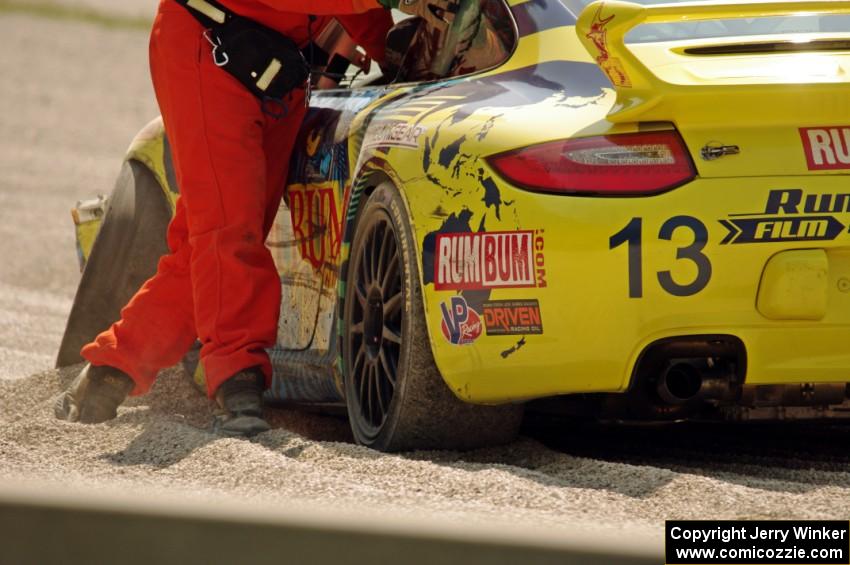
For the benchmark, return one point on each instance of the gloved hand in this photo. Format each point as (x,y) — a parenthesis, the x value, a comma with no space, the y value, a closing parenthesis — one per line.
(438,13)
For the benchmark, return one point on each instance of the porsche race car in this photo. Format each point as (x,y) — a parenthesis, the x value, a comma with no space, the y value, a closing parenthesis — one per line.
(632,211)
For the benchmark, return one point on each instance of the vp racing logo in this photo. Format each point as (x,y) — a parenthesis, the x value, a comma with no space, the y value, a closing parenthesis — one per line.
(461,324)
(789,215)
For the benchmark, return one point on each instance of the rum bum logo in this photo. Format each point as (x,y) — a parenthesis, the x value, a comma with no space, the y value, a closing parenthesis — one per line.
(790,215)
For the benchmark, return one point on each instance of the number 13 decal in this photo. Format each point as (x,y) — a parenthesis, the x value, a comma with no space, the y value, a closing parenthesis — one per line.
(633,235)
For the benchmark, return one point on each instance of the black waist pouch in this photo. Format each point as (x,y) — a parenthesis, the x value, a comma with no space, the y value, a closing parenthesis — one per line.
(268,63)
(265,61)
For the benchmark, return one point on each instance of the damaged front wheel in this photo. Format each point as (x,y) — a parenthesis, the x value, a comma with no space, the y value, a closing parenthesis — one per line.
(130,242)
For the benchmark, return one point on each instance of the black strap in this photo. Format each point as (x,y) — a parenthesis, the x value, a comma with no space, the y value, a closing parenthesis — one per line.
(209,13)
(314,54)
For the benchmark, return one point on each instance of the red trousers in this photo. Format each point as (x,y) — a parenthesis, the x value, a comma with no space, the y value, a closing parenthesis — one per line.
(219,283)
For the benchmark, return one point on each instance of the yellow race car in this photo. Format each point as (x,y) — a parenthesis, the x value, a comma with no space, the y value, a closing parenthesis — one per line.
(633,210)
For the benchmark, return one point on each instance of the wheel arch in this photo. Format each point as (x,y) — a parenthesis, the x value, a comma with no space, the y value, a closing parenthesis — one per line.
(151,149)
(372,174)
(417,409)
(129,243)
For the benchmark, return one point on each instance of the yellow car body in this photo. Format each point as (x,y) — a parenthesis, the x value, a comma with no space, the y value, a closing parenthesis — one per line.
(754,249)
(786,298)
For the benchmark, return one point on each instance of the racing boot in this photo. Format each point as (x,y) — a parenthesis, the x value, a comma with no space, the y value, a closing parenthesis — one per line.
(240,403)
(94,396)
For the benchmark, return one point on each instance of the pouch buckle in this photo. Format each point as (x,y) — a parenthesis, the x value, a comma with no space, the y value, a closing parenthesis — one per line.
(220,58)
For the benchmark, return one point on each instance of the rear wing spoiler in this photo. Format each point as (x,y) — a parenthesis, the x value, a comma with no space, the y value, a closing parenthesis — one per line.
(603,25)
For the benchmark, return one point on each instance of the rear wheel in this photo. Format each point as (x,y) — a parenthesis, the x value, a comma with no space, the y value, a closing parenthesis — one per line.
(396,397)
(125,254)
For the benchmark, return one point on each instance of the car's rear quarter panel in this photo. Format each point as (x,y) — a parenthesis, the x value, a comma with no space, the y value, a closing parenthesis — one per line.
(592,330)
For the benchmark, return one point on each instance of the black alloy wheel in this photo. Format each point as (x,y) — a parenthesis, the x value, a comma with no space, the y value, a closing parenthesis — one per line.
(374,336)
(395,394)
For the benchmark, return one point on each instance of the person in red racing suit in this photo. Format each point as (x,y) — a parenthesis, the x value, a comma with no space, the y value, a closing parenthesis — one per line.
(219,283)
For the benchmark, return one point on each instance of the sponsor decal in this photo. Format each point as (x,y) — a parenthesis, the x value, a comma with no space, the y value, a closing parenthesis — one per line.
(612,66)
(827,147)
(486,260)
(311,144)
(316,214)
(512,317)
(394,134)
(461,324)
(790,215)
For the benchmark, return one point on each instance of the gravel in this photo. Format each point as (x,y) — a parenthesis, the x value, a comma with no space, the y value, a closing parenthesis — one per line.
(73,96)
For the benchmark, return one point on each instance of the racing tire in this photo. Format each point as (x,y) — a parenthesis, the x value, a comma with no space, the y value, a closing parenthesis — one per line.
(396,397)
(124,255)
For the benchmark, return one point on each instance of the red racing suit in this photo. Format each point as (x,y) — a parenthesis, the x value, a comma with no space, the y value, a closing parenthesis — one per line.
(219,283)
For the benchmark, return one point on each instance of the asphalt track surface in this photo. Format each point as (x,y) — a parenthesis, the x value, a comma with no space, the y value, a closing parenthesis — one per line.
(72,96)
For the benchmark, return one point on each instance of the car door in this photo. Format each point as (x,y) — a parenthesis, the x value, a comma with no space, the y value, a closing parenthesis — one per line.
(306,238)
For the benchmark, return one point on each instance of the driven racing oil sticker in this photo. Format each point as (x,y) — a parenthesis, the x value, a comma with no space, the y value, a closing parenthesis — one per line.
(461,324)
(790,215)
(512,317)
(486,260)
(827,148)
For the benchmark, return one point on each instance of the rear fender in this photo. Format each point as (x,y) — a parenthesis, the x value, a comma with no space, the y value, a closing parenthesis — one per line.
(369,175)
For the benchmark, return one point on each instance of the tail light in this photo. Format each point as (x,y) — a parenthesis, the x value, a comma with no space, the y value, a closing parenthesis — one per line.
(612,165)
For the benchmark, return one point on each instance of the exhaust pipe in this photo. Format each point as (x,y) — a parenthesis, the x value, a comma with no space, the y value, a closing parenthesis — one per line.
(684,380)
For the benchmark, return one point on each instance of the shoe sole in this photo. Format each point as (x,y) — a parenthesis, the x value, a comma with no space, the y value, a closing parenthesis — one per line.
(241,426)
